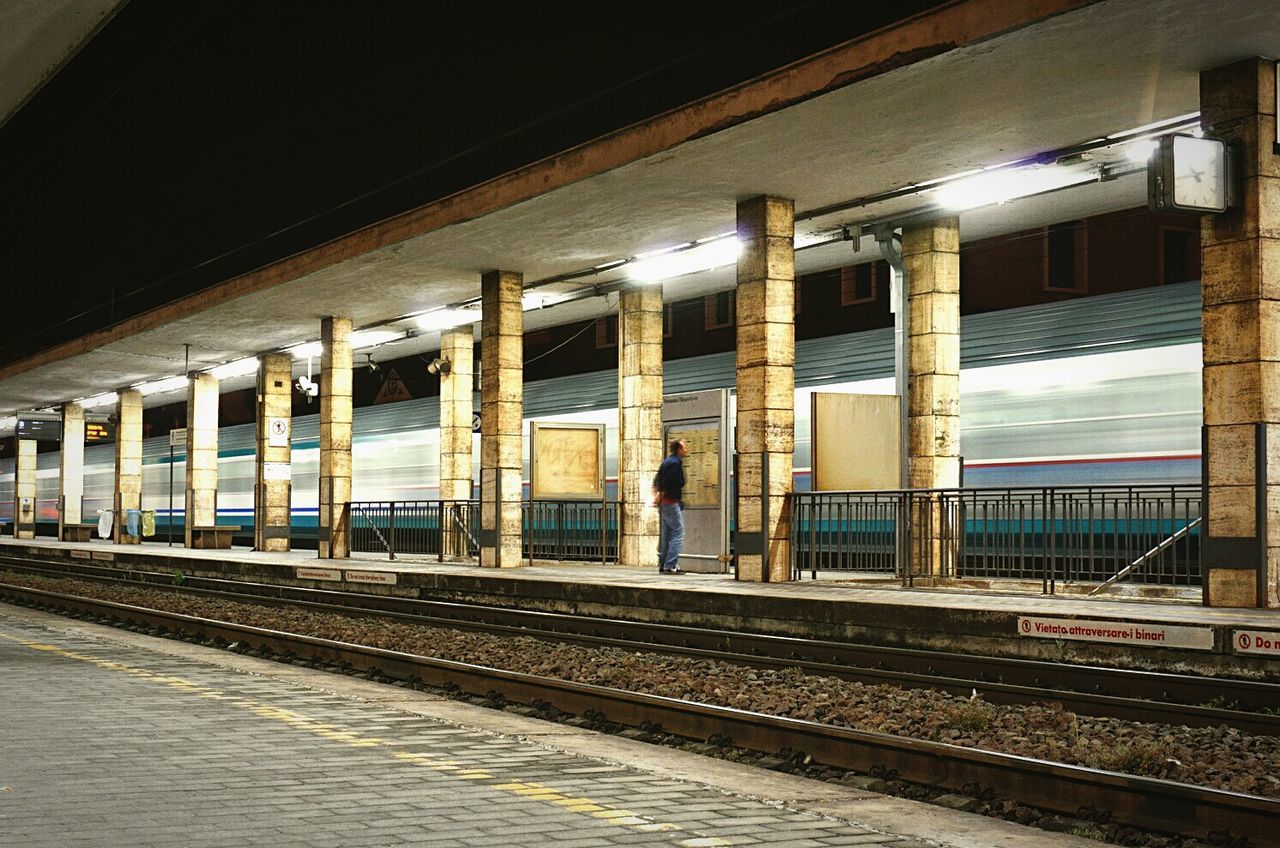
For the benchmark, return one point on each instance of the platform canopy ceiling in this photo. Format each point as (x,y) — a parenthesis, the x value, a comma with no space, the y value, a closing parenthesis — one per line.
(1070,78)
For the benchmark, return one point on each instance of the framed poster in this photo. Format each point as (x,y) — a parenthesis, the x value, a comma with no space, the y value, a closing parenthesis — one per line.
(566,461)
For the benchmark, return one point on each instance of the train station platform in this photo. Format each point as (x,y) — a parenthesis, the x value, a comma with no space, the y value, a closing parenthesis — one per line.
(119,739)
(1130,632)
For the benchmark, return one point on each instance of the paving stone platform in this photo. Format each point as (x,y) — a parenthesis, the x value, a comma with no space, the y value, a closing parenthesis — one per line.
(871,612)
(117,739)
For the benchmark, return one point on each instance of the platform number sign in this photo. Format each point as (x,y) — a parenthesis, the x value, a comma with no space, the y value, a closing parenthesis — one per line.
(278,432)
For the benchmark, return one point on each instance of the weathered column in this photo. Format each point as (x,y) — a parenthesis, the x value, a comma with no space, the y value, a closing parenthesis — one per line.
(765,431)
(335,437)
(639,420)
(128,463)
(24,490)
(201,500)
(71,468)
(456,388)
(1240,284)
(273,476)
(931,254)
(501,414)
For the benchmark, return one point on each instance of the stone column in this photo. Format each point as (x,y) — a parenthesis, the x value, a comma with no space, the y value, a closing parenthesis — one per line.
(335,437)
(200,503)
(71,468)
(501,418)
(1240,284)
(273,486)
(640,449)
(765,430)
(931,254)
(128,462)
(456,390)
(24,490)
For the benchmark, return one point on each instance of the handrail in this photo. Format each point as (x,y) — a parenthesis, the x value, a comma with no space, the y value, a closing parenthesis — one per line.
(374,527)
(1149,555)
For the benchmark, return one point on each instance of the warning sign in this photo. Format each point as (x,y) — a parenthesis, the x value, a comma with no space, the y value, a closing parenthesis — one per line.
(277,432)
(393,389)
(386,578)
(1263,642)
(1116,632)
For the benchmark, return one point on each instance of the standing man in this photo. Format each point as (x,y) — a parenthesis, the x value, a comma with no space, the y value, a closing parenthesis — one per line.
(668,492)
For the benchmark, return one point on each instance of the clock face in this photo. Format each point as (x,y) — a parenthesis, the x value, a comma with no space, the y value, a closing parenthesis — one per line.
(1199,173)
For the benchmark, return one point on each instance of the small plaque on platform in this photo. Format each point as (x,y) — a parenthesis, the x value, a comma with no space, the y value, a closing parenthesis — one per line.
(1264,643)
(384,578)
(82,555)
(302,573)
(1116,632)
(104,555)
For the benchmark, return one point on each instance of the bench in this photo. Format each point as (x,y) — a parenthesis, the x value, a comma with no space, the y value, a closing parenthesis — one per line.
(213,538)
(78,532)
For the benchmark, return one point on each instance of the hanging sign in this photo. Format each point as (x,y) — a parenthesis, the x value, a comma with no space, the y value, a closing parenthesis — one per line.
(178,437)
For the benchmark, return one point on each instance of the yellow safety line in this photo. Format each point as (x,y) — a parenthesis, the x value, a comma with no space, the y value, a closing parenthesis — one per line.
(454,768)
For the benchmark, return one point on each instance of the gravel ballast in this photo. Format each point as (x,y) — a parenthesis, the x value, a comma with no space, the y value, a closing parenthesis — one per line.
(1218,757)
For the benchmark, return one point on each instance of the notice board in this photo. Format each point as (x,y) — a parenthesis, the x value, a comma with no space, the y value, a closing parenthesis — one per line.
(855,442)
(566,461)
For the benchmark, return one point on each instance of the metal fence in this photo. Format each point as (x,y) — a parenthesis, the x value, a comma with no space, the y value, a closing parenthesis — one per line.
(555,530)
(1144,534)
(572,530)
(425,528)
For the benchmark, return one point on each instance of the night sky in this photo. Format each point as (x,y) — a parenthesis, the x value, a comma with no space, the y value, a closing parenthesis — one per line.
(193,141)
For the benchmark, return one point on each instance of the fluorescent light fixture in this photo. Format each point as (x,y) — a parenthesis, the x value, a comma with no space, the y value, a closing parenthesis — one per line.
(10,421)
(306,350)
(446,319)
(168,384)
(236,368)
(370,338)
(541,300)
(1140,151)
(676,262)
(1002,186)
(105,399)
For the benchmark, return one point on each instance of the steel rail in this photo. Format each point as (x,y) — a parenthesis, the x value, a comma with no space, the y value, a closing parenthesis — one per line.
(1117,693)
(1146,803)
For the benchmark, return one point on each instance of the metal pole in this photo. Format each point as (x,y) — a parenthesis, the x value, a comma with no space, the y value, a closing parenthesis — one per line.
(171,493)
(898,297)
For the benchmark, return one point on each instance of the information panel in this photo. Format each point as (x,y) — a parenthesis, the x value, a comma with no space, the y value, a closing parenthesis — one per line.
(39,429)
(701,420)
(566,461)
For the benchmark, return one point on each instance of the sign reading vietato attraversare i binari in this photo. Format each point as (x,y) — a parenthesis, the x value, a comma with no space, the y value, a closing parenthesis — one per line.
(1117,632)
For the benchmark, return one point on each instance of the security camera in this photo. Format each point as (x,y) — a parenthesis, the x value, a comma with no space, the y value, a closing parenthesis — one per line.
(307,386)
(373,366)
(438,366)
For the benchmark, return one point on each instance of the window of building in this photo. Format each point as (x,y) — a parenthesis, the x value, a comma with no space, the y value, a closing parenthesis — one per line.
(1066,257)
(796,296)
(607,331)
(858,283)
(668,321)
(720,310)
(1179,258)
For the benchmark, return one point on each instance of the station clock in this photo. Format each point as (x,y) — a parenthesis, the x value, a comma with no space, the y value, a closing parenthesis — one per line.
(1190,174)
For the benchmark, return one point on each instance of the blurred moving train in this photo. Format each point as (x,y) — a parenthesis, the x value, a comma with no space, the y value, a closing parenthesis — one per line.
(1095,390)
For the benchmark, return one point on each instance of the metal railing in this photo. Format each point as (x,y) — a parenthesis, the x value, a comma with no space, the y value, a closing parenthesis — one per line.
(555,530)
(1071,534)
(572,530)
(425,528)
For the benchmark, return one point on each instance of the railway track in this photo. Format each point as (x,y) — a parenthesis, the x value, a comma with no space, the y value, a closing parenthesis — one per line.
(1087,690)
(1139,802)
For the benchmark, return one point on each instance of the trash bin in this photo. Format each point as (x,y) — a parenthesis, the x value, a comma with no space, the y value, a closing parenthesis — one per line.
(106,519)
(133,522)
(148,523)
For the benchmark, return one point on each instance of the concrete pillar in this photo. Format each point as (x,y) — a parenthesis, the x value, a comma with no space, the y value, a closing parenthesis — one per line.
(128,462)
(501,415)
(639,420)
(24,490)
(765,431)
(1240,283)
(335,437)
(931,253)
(201,500)
(71,468)
(273,486)
(456,389)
